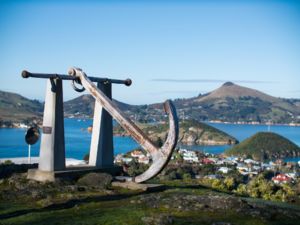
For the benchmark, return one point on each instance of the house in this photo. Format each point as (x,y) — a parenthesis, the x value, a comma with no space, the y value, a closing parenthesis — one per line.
(231,160)
(137,154)
(256,168)
(118,158)
(224,169)
(144,160)
(279,162)
(126,160)
(267,166)
(292,175)
(243,167)
(207,161)
(250,161)
(281,178)
(213,176)
(191,158)
(249,173)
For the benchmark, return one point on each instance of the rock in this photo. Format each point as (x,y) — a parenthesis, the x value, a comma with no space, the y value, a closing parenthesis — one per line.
(97,180)
(37,194)
(45,202)
(158,220)
(81,189)
(136,186)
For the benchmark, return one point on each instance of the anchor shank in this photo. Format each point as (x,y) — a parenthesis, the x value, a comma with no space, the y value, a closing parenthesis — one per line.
(117,114)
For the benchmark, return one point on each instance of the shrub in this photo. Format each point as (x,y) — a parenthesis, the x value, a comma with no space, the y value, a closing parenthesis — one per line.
(242,190)
(229,183)
(186,176)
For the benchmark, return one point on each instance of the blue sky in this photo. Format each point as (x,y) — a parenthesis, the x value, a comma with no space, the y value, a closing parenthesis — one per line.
(169,49)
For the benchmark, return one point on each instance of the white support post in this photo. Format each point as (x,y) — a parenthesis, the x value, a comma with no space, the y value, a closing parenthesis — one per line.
(101,150)
(52,150)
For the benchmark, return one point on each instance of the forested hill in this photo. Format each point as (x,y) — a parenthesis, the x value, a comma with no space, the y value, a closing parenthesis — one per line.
(265,145)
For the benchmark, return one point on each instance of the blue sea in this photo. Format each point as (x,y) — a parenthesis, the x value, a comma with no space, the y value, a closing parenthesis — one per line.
(12,142)
(77,140)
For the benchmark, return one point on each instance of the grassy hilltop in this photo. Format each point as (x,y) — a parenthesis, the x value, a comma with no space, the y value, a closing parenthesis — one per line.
(16,108)
(265,145)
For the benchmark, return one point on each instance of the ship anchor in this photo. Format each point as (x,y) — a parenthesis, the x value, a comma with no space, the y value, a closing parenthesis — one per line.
(160,156)
(52,161)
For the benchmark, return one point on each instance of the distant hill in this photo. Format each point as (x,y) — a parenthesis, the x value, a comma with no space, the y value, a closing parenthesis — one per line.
(229,103)
(233,103)
(191,132)
(15,108)
(84,106)
(265,145)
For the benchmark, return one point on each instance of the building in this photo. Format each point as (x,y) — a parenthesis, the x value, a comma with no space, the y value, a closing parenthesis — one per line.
(137,154)
(144,160)
(207,161)
(224,169)
(250,161)
(281,178)
(189,156)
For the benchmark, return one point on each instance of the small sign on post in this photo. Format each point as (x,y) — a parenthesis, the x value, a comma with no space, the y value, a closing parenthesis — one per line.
(31,137)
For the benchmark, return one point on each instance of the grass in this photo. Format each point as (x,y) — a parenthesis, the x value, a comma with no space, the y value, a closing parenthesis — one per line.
(123,211)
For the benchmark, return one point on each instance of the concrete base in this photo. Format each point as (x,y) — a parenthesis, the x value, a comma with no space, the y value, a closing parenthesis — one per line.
(72,172)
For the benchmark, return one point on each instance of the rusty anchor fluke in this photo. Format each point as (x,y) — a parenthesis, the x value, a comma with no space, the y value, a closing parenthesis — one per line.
(160,156)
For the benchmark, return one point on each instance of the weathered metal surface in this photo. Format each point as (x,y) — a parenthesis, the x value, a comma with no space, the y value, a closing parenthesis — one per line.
(26,74)
(160,156)
(32,135)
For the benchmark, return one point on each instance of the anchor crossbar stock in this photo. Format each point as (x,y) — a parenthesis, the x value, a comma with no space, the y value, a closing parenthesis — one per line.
(26,74)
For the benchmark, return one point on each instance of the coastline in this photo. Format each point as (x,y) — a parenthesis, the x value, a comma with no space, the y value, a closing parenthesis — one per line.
(25,126)
(24,160)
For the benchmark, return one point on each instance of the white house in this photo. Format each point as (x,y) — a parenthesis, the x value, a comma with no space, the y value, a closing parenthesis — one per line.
(224,169)
(250,161)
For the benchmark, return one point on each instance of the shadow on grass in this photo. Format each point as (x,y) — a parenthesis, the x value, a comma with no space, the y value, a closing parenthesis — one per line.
(73,202)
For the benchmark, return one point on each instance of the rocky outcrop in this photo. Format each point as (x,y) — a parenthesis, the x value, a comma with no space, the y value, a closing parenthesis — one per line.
(188,202)
(99,180)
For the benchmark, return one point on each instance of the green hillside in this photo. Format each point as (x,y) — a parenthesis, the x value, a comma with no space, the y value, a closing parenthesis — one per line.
(191,132)
(265,145)
(15,108)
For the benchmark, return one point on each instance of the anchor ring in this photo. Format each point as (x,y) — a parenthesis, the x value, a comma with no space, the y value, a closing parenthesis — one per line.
(77,88)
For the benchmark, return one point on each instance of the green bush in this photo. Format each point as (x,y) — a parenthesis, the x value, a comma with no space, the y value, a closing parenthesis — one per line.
(186,176)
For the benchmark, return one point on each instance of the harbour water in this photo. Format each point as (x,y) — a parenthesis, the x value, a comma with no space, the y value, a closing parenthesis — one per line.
(12,142)
(77,140)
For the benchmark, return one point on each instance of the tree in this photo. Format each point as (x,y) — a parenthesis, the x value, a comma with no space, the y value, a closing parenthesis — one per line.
(217,184)
(242,190)
(229,183)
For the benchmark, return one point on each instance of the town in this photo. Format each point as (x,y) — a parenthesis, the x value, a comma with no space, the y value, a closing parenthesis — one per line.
(274,180)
